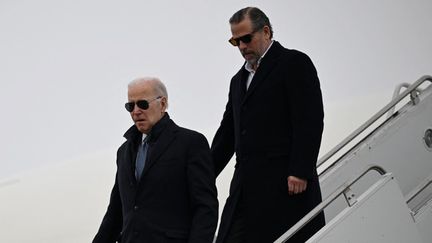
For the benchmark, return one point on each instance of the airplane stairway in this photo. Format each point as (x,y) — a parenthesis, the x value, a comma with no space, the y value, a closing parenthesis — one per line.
(376,184)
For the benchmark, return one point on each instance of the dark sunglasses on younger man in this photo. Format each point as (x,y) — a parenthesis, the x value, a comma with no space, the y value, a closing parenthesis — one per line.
(142,104)
(245,39)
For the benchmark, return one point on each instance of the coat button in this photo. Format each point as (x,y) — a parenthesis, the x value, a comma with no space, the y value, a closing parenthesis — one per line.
(243,132)
(136,208)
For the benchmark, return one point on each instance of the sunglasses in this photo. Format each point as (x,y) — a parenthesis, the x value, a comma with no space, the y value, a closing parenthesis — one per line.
(142,104)
(245,39)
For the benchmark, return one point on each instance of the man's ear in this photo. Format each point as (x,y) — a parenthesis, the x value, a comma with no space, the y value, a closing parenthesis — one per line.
(164,103)
(266,31)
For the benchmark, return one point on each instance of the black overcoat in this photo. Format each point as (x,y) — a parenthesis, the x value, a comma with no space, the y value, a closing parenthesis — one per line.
(175,200)
(275,129)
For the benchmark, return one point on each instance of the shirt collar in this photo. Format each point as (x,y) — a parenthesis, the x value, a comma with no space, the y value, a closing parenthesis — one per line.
(144,136)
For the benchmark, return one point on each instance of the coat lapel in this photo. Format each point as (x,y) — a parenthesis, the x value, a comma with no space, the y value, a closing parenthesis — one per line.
(130,157)
(133,136)
(241,83)
(160,146)
(266,66)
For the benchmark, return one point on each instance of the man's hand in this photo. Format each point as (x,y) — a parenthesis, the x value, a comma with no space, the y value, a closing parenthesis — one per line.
(296,185)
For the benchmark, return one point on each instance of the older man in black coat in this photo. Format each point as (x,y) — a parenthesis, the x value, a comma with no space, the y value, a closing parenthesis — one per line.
(273,122)
(165,184)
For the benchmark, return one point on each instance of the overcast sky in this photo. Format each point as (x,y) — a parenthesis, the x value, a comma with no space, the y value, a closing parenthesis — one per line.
(64,65)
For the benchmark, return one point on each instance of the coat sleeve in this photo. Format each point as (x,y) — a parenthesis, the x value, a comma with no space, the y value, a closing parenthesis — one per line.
(222,147)
(307,116)
(110,228)
(202,191)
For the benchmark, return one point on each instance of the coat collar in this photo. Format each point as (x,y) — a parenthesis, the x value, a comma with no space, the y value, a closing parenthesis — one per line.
(161,135)
(134,135)
(266,65)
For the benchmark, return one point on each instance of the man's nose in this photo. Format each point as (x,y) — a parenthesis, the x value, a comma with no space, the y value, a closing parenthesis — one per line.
(136,109)
(242,45)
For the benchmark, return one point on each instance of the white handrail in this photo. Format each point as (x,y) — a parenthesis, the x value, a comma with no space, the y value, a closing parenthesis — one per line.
(397,92)
(320,207)
(418,190)
(373,119)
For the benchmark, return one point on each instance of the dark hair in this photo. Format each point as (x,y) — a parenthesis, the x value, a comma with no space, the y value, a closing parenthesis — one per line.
(257,17)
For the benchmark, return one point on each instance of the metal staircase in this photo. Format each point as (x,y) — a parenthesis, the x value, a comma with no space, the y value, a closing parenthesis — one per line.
(395,204)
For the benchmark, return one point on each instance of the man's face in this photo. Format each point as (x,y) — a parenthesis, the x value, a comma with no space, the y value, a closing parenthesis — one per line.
(253,50)
(145,119)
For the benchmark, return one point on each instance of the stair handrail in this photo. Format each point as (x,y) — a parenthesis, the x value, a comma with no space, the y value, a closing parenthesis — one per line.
(418,190)
(320,207)
(396,93)
(373,119)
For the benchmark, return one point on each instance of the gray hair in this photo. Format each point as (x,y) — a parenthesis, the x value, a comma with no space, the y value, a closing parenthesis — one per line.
(158,87)
(257,17)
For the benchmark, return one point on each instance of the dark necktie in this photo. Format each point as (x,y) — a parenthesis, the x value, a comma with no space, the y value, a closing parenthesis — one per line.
(140,159)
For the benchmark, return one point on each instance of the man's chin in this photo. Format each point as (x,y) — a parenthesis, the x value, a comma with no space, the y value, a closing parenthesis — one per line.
(250,59)
(142,128)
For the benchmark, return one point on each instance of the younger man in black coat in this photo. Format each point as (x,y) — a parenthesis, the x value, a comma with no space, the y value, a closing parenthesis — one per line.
(273,122)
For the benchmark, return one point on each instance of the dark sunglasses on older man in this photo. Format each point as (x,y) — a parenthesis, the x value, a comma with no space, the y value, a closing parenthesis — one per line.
(142,104)
(245,39)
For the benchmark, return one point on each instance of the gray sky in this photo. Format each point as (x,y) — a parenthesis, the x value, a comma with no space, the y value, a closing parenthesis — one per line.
(64,65)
